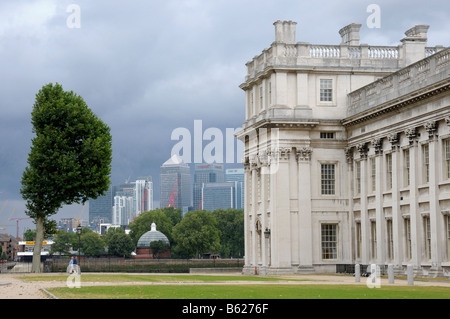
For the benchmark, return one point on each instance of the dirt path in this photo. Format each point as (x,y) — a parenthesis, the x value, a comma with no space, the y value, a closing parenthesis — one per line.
(12,286)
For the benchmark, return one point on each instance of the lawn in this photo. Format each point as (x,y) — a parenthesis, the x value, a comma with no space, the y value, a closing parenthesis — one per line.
(225,289)
(249,291)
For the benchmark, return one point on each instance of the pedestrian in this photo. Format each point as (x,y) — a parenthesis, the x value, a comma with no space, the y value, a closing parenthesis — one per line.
(70,267)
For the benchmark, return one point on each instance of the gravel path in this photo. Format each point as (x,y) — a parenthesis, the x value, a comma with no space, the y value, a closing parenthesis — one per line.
(13,286)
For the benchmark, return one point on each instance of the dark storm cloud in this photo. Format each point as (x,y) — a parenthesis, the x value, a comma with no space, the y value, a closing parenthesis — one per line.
(148,67)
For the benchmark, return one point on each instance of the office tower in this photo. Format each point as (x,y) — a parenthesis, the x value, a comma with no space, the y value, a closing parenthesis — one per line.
(237,175)
(218,195)
(144,195)
(175,184)
(101,207)
(205,173)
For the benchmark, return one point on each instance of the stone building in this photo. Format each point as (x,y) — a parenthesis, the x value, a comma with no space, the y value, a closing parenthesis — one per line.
(143,247)
(347,154)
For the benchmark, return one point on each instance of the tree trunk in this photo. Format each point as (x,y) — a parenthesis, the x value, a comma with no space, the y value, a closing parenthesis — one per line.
(36,266)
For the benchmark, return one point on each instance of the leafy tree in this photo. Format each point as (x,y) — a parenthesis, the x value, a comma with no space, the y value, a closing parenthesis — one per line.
(29,234)
(230,222)
(107,236)
(175,215)
(196,234)
(120,244)
(69,161)
(64,242)
(92,244)
(159,247)
(143,223)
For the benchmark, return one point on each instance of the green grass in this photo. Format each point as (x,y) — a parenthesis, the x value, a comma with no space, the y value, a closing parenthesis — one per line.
(249,291)
(155,278)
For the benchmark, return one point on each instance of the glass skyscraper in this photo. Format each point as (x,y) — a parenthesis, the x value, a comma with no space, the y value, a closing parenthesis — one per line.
(237,175)
(175,184)
(205,173)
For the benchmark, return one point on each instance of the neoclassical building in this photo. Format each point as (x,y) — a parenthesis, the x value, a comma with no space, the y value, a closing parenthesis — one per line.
(347,154)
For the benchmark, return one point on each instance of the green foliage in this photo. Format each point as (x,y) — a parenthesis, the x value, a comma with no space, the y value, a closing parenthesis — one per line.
(69,161)
(70,156)
(230,223)
(63,242)
(197,234)
(159,247)
(120,244)
(92,244)
(143,223)
(29,234)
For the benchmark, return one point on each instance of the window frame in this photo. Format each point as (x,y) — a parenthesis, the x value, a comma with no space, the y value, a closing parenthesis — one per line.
(328,182)
(329,241)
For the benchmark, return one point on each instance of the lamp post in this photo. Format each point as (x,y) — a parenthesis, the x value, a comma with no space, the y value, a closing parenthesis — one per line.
(79,228)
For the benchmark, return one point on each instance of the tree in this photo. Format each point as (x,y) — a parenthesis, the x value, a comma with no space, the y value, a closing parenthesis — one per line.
(230,222)
(29,234)
(143,223)
(69,161)
(158,247)
(120,244)
(64,242)
(197,233)
(91,243)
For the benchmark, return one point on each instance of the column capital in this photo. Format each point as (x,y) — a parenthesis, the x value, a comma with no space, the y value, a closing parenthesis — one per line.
(411,134)
(303,154)
(394,139)
(349,154)
(362,149)
(377,143)
(431,128)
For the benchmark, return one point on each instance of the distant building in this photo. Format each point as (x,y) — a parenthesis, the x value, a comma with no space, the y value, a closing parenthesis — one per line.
(175,184)
(237,175)
(205,173)
(143,249)
(101,208)
(218,195)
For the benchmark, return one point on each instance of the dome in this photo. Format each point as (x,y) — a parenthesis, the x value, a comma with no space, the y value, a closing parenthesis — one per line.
(152,235)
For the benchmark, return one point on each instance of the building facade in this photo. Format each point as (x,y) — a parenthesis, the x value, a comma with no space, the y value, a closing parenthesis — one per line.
(237,175)
(175,184)
(339,165)
(205,173)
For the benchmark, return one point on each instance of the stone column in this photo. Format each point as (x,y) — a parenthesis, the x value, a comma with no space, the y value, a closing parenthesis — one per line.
(264,173)
(304,197)
(353,239)
(365,224)
(397,220)
(253,167)
(247,212)
(435,215)
(411,134)
(379,212)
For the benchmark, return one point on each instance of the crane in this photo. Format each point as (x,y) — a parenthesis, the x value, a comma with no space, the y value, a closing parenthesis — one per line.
(173,195)
(17,223)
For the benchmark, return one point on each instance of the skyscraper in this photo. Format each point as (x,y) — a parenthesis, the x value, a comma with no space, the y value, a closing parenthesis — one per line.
(100,208)
(237,175)
(205,173)
(175,184)
(218,195)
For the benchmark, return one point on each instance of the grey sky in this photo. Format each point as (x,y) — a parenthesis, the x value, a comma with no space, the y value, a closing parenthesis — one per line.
(148,67)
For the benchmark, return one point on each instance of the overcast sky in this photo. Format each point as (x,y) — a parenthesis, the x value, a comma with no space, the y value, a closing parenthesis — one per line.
(147,67)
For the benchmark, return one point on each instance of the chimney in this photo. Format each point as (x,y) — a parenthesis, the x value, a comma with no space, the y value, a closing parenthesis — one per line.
(414,44)
(285,31)
(350,34)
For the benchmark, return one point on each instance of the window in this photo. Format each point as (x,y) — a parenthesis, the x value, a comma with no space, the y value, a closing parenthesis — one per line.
(358,240)
(427,233)
(373,174)
(390,240)
(358,178)
(408,238)
(406,165)
(261,104)
(373,233)
(328,179)
(327,135)
(326,90)
(426,163)
(388,171)
(329,241)
(447,223)
(447,157)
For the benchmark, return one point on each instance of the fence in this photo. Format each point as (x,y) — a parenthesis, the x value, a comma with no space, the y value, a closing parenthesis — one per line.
(114,264)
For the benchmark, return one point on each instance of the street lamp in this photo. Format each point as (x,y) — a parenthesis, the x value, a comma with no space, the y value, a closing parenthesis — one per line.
(79,228)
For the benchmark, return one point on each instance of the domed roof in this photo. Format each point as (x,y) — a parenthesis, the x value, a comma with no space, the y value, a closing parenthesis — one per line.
(152,235)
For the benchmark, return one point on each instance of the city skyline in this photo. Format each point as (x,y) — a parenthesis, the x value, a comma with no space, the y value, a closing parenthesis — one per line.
(149,68)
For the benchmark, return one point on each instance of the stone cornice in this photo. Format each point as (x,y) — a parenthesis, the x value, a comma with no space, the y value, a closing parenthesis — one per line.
(397,104)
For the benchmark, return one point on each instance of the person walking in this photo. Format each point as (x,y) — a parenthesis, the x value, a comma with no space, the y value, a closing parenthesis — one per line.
(70,268)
